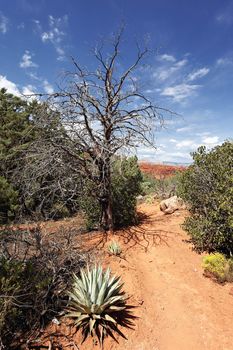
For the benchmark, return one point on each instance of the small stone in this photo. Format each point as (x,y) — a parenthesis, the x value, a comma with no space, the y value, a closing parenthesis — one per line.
(55,321)
(231,291)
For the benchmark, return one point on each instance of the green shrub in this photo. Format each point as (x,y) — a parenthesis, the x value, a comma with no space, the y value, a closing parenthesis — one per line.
(10,284)
(20,283)
(95,302)
(8,201)
(207,186)
(126,186)
(218,266)
(114,248)
(90,205)
(149,199)
(34,276)
(162,188)
(59,211)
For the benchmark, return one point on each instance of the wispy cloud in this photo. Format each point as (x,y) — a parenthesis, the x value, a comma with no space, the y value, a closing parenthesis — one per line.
(226,16)
(175,78)
(48,88)
(194,142)
(34,76)
(185,128)
(167,58)
(180,92)
(29,90)
(224,61)
(167,71)
(4,23)
(26,61)
(55,33)
(198,74)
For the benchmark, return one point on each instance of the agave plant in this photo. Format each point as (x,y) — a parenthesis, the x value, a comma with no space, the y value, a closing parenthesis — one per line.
(114,248)
(96,301)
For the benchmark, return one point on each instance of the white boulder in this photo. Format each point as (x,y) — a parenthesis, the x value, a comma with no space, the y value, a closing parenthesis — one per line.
(168,206)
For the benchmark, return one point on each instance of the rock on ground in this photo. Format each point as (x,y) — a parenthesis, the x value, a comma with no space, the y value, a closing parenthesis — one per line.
(168,206)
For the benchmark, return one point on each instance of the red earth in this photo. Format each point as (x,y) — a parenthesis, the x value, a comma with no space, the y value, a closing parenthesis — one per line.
(176,307)
(160,170)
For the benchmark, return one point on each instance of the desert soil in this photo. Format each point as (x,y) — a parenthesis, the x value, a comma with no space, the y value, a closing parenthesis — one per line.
(177,308)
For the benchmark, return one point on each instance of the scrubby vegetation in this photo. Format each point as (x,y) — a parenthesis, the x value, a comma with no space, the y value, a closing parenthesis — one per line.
(96,301)
(126,186)
(216,265)
(39,180)
(64,155)
(161,187)
(35,272)
(114,248)
(207,186)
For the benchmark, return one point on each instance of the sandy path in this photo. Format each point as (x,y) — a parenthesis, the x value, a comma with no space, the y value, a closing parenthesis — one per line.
(180,309)
(177,308)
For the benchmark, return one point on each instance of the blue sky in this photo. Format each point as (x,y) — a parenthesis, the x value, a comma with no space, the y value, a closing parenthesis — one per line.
(191,64)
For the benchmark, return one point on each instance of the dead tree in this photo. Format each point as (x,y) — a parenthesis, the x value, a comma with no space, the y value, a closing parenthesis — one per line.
(103,113)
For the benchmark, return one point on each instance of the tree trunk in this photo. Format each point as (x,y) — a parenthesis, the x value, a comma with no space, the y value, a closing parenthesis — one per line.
(106,220)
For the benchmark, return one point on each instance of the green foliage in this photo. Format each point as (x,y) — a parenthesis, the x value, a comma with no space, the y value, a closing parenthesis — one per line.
(34,276)
(219,267)
(95,301)
(149,199)
(89,205)
(10,285)
(8,201)
(15,129)
(126,186)
(59,210)
(207,186)
(20,283)
(30,165)
(114,248)
(163,187)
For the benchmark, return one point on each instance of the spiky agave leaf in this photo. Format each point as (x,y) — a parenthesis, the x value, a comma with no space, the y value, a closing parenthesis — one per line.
(95,301)
(114,248)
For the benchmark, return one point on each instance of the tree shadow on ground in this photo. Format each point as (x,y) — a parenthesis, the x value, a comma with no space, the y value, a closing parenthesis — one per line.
(143,234)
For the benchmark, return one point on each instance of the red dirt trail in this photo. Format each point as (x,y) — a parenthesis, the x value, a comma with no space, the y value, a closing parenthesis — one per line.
(177,307)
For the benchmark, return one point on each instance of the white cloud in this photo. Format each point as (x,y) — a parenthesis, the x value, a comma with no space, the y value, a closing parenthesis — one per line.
(4,22)
(34,76)
(198,74)
(210,140)
(224,61)
(190,144)
(14,89)
(165,72)
(180,92)
(48,87)
(185,128)
(181,63)
(166,57)
(26,61)
(55,34)
(29,90)
(11,87)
